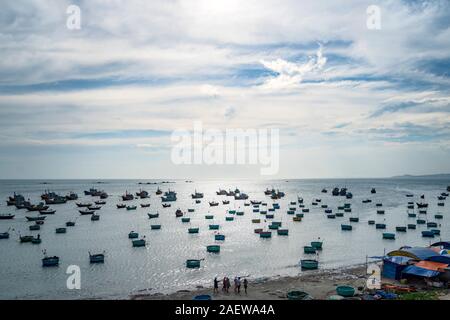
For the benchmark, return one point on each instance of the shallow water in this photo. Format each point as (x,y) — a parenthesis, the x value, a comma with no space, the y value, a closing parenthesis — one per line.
(160,267)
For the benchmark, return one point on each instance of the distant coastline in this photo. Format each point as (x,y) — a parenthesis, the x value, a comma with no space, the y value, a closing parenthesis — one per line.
(440,176)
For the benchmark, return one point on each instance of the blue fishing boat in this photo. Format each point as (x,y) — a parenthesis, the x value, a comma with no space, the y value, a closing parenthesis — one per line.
(431,224)
(97,258)
(219,237)
(380,226)
(346,227)
(203,297)
(436,232)
(213,248)
(270,216)
(428,234)
(420,221)
(50,261)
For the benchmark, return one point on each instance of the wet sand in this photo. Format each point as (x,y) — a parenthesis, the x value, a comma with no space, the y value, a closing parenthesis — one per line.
(320,284)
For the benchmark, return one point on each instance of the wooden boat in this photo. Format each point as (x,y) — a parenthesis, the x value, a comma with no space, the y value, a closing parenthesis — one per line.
(47,212)
(298,295)
(133,235)
(309,264)
(36,240)
(388,236)
(70,224)
(258,230)
(95,217)
(61,230)
(345,291)
(410,206)
(131,208)
(86,212)
(291,212)
(309,250)
(166,205)
(191,210)
(121,206)
(213,204)
(412,215)
(229,218)
(380,211)
(297,219)
(142,194)
(145,205)
(422,211)
(50,261)
(158,191)
(438,216)
(193,230)
(379,205)
(431,224)
(224,202)
(35,218)
(371,222)
(198,201)
(39,207)
(427,234)
(34,227)
(197,195)
(420,221)
(209,217)
(354,219)
(441,204)
(214,248)
(232,211)
(265,234)
(380,226)
(421,205)
(346,227)
(155,227)
(7,216)
(339,214)
(400,229)
(270,216)
(178,213)
(185,219)
(305,210)
(83,205)
(214,227)
(348,210)
(239,213)
(100,202)
(97,258)
(139,243)
(324,190)
(328,211)
(283,232)
(367,201)
(256,220)
(317,244)
(373,190)
(153,215)
(331,216)
(24,239)
(436,232)
(193,263)
(127,197)
(411,226)
(219,237)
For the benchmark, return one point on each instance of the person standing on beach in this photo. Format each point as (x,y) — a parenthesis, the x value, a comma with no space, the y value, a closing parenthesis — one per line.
(245,285)
(216,285)
(238,285)
(228,285)
(224,284)
(235,284)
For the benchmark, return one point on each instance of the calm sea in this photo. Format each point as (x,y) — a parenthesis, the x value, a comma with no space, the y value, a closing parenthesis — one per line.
(160,267)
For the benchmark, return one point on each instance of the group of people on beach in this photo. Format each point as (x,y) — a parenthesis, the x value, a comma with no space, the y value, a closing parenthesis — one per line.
(226,285)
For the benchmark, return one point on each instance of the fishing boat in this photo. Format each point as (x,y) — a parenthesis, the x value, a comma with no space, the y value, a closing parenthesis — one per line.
(198,201)
(421,205)
(50,261)
(343,192)
(70,224)
(427,234)
(324,190)
(24,239)
(214,227)
(84,205)
(273,226)
(258,230)
(239,213)
(145,205)
(291,212)
(35,218)
(219,237)
(127,197)
(47,212)
(339,214)
(400,229)
(213,204)
(298,295)
(56,200)
(380,212)
(142,194)
(214,248)
(335,192)
(436,232)
(178,213)
(229,218)
(209,216)
(34,227)
(191,210)
(438,216)
(86,212)
(7,216)
(155,227)
(264,234)
(324,206)
(166,205)
(221,192)
(185,219)
(268,191)
(409,195)
(388,236)
(354,219)
(121,206)
(431,224)
(197,195)
(225,202)
(422,211)
(380,226)
(270,216)
(317,244)
(367,201)
(36,240)
(153,215)
(420,221)
(412,215)
(39,207)
(379,205)
(331,216)
(71,196)
(169,196)
(97,258)
(305,210)
(4,235)
(309,264)
(95,217)
(256,220)
(60,230)
(411,226)
(15,199)
(193,230)
(129,208)
(346,227)
(373,190)
(283,232)
(371,222)
(349,195)
(133,235)
(345,291)
(193,263)
(441,204)
(139,242)
(309,250)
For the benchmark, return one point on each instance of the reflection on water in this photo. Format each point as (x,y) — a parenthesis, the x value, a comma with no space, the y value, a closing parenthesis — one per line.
(160,267)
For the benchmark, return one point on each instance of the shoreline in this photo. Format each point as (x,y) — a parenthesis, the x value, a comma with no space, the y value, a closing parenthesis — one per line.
(320,284)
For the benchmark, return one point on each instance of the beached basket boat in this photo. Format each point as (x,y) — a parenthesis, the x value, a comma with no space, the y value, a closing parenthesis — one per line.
(298,295)
(309,264)
(345,291)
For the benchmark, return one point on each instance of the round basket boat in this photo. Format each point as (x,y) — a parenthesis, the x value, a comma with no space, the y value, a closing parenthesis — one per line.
(345,291)
(298,295)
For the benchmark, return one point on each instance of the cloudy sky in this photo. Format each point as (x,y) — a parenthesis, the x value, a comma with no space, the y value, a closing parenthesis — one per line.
(103,101)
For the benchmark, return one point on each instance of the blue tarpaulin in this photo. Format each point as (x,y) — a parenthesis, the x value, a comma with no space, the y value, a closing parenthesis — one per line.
(420,272)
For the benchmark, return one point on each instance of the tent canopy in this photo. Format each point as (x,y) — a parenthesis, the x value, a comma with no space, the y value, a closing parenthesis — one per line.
(416,253)
(444,244)
(420,272)
(429,265)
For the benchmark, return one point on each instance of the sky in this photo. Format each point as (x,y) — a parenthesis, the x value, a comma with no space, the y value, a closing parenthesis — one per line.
(103,101)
